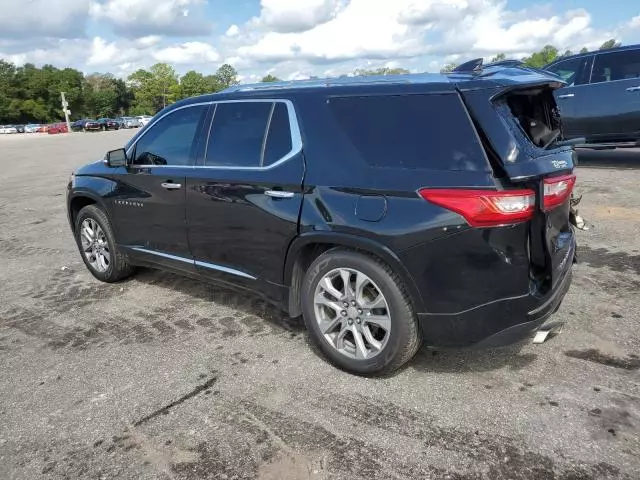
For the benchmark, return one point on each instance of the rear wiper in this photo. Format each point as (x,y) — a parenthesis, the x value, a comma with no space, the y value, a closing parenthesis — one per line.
(564,143)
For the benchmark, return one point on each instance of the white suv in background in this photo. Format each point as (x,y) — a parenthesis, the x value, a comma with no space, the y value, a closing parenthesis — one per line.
(143,119)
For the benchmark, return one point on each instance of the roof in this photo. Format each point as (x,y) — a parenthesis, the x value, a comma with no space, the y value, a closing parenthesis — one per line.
(595,52)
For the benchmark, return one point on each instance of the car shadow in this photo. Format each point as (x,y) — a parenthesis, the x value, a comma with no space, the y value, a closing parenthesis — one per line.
(426,360)
(243,301)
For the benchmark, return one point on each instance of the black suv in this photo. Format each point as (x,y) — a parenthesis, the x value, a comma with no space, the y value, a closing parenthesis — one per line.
(602,99)
(385,210)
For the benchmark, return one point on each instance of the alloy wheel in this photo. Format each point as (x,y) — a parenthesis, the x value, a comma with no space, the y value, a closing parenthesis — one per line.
(352,313)
(95,246)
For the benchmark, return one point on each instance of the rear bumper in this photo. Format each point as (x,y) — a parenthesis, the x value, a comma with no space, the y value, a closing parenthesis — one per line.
(496,324)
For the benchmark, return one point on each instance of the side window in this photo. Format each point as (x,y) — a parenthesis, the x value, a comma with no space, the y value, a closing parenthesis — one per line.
(431,132)
(278,143)
(570,70)
(171,141)
(237,134)
(616,66)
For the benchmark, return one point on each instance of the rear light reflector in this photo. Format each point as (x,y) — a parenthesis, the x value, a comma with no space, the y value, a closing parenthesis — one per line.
(485,208)
(556,191)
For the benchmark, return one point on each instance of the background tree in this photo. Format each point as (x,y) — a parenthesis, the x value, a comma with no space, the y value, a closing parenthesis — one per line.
(225,77)
(539,59)
(449,67)
(193,83)
(499,57)
(612,43)
(269,78)
(381,71)
(584,50)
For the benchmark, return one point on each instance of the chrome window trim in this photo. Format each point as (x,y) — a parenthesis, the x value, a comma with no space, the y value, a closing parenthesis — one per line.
(294,130)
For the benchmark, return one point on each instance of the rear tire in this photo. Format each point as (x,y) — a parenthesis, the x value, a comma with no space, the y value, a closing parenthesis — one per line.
(370,327)
(98,248)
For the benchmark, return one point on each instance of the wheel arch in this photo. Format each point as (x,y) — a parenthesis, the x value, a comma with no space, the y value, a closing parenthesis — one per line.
(307,247)
(78,200)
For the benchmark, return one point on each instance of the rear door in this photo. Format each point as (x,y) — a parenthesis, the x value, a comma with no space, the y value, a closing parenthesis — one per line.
(149,200)
(244,199)
(613,100)
(574,71)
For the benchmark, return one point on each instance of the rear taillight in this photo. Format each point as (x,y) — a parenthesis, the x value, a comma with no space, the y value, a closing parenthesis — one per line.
(485,208)
(557,190)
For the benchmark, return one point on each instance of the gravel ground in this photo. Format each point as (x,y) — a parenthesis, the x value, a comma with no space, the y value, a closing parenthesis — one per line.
(161,377)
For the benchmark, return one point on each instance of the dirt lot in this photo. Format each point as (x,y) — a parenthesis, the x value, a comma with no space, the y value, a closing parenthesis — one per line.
(162,377)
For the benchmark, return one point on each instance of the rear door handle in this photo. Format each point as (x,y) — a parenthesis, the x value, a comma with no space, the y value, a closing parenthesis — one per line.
(278,194)
(567,95)
(633,89)
(171,185)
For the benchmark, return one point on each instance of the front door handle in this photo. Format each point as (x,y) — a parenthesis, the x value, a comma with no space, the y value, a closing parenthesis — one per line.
(633,89)
(171,185)
(278,194)
(567,95)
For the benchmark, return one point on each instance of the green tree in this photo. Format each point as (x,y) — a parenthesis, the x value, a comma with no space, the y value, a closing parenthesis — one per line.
(611,43)
(380,71)
(584,50)
(499,57)
(193,83)
(226,76)
(449,67)
(567,53)
(539,59)
(269,78)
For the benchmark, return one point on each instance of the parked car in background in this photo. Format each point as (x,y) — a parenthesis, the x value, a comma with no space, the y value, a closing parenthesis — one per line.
(59,127)
(32,127)
(128,122)
(19,128)
(144,119)
(434,215)
(92,125)
(601,101)
(80,125)
(8,129)
(108,124)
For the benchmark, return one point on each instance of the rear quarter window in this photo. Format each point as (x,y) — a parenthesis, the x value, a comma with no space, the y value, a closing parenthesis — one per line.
(431,132)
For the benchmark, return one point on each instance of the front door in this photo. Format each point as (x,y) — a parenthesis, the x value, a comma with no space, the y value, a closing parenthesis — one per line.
(243,202)
(613,96)
(149,200)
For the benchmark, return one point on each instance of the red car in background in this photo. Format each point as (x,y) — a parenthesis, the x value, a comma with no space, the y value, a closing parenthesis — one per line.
(57,128)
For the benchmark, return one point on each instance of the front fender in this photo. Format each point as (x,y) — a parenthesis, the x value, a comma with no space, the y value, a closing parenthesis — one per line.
(96,189)
(358,243)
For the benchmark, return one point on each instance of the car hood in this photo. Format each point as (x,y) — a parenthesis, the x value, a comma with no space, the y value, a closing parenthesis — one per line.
(97,168)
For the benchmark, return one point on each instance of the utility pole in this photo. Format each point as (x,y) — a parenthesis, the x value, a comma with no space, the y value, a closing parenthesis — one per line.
(66,111)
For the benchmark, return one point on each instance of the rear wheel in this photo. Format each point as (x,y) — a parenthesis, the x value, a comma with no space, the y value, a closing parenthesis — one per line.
(98,248)
(358,313)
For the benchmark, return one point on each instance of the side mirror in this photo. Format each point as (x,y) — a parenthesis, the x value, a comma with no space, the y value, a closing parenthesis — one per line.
(116,158)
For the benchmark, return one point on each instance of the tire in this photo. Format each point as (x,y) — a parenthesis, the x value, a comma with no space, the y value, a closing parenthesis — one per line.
(117,268)
(396,347)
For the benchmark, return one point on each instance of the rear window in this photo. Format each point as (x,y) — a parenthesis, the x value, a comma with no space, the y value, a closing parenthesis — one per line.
(430,132)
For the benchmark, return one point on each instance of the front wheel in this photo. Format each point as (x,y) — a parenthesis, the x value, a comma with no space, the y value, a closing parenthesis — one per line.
(98,247)
(358,313)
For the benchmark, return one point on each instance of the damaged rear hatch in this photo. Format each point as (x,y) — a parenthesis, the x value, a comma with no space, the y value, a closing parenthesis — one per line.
(520,126)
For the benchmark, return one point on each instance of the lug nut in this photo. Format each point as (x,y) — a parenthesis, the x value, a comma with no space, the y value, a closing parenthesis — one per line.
(353,303)
(350,321)
(343,313)
(346,304)
(358,320)
(359,312)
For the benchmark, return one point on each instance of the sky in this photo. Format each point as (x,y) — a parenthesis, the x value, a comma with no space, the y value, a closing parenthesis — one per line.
(295,39)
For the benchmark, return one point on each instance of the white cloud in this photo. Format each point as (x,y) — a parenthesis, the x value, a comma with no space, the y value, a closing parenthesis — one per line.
(635,22)
(189,52)
(286,16)
(232,31)
(104,53)
(149,40)
(38,18)
(137,18)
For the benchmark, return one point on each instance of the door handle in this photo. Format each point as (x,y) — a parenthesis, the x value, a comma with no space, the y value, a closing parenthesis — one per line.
(567,95)
(278,194)
(171,185)
(633,89)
